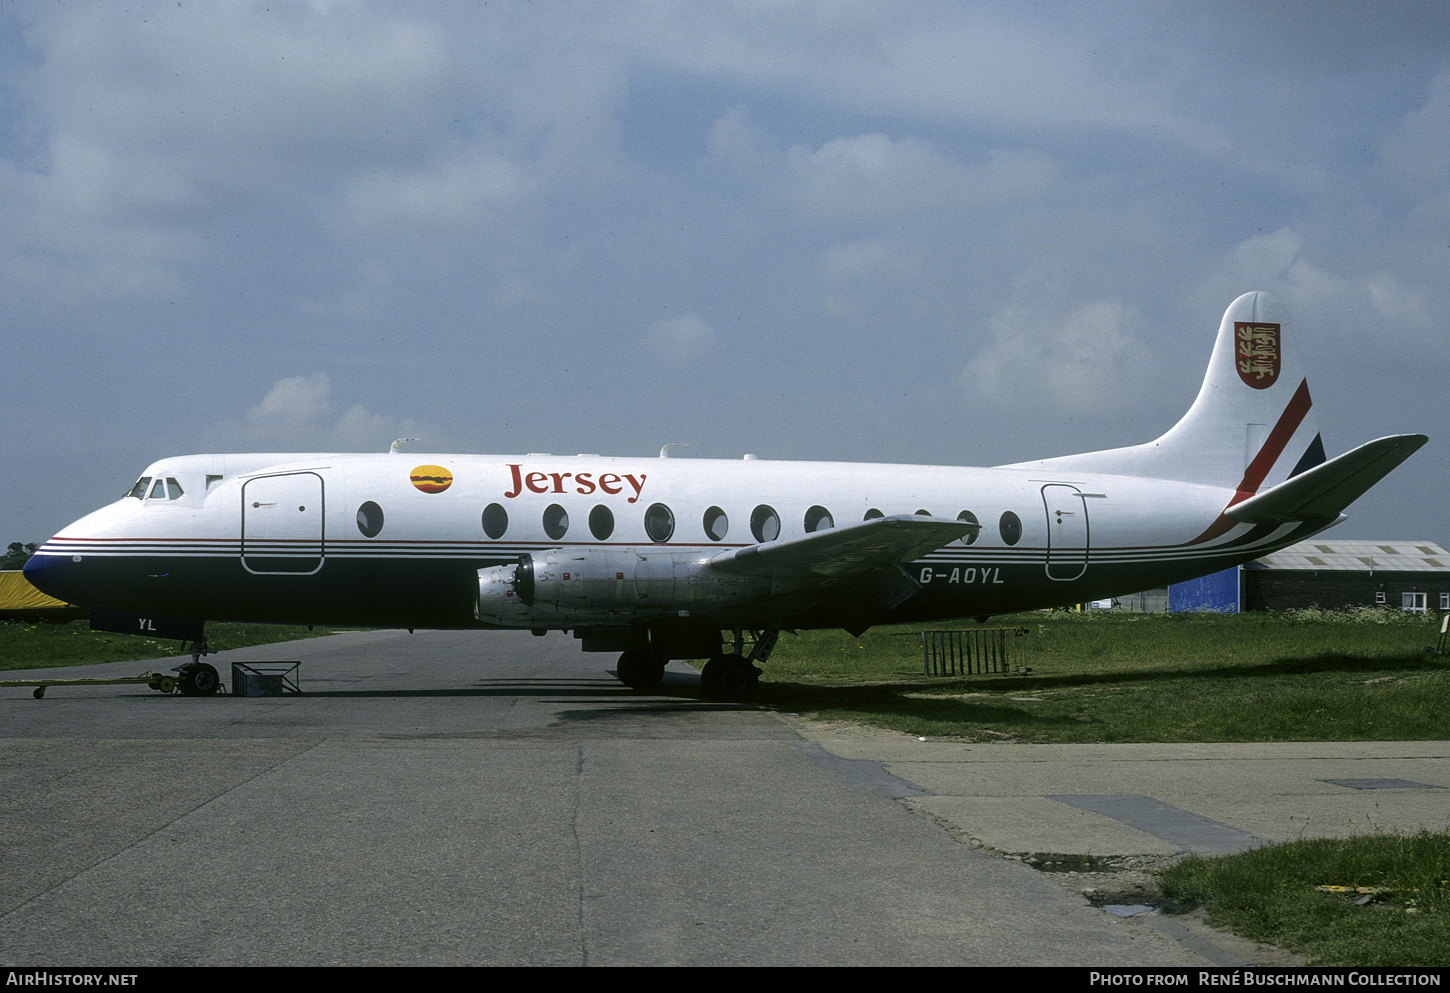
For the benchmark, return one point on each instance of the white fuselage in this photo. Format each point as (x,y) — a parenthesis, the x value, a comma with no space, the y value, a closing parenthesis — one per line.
(352,539)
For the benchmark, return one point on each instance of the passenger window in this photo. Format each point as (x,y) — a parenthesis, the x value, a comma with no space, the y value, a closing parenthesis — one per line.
(1011,528)
(495,521)
(370,519)
(873,515)
(717,525)
(967,517)
(659,522)
(556,521)
(601,522)
(139,490)
(765,523)
(818,519)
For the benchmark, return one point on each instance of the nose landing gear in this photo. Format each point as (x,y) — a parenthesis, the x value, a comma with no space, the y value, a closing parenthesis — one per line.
(197,678)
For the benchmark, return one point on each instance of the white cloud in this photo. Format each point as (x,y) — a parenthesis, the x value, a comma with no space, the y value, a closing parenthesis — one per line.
(875,176)
(1415,153)
(230,94)
(1393,299)
(1266,256)
(464,191)
(735,143)
(298,414)
(1090,362)
(857,272)
(147,126)
(291,403)
(923,61)
(1274,262)
(864,259)
(364,299)
(680,340)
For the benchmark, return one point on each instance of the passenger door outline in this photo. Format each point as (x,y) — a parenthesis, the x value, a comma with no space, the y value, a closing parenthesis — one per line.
(1068,531)
(282,524)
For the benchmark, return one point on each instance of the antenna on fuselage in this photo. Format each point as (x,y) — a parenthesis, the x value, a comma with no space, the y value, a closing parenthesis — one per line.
(665,451)
(393,449)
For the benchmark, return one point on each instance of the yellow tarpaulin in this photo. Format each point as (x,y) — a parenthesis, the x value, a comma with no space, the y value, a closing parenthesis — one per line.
(16,593)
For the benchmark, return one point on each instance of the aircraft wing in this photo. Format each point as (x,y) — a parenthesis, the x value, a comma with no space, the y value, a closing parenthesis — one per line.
(1328,488)
(883,542)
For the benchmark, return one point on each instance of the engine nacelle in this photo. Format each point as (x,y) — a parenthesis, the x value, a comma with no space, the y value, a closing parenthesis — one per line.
(562,587)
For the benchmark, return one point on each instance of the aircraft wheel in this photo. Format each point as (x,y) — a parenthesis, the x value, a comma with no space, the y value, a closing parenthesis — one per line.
(200,680)
(730,678)
(638,671)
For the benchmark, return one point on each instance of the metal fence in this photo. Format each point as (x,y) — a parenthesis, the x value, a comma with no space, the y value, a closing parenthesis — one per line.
(976,651)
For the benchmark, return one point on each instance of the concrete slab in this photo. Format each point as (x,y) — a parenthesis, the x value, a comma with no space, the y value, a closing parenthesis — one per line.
(1273,792)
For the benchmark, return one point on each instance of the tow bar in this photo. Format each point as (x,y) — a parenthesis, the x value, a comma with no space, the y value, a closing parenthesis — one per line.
(194,678)
(155,680)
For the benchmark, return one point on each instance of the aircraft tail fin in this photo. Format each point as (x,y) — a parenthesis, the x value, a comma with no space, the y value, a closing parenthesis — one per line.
(1252,425)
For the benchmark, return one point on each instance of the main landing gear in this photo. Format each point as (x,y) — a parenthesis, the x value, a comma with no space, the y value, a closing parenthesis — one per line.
(733,676)
(728,676)
(637,670)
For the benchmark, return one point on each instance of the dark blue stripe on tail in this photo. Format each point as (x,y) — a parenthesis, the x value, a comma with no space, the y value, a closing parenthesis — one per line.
(1313,455)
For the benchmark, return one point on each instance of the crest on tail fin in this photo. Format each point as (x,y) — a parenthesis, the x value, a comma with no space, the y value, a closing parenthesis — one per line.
(1256,353)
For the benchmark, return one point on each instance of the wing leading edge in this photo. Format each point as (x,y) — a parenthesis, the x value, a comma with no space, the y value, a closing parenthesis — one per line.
(875,544)
(855,571)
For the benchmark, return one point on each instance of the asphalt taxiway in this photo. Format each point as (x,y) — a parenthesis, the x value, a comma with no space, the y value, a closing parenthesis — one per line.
(450,798)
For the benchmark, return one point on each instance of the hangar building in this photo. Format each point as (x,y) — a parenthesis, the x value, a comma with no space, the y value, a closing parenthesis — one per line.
(1404,575)
(1320,572)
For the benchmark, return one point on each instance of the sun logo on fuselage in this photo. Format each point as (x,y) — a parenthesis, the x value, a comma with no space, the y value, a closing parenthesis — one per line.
(431,478)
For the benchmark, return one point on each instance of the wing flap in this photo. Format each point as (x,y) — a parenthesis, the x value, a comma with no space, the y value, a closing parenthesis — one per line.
(873,544)
(1328,488)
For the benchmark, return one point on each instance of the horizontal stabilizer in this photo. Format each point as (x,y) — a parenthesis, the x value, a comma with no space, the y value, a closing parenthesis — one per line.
(872,544)
(1325,490)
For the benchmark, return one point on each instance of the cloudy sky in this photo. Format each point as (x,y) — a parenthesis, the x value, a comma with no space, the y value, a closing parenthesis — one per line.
(899,232)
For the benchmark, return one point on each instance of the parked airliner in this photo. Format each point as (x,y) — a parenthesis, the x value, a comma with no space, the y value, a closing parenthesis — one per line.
(667,558)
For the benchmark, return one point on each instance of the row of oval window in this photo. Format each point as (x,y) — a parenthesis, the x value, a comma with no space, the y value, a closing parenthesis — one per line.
(659,522)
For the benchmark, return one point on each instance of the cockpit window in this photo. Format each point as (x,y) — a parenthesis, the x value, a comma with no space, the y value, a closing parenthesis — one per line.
(161,489)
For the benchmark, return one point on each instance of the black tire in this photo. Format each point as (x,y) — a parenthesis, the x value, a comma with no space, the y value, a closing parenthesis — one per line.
(638,671)
(200,680)
(729,678)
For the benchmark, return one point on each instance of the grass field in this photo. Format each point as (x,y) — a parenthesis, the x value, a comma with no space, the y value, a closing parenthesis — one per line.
(1390,905)
(41,645)
(1305,676)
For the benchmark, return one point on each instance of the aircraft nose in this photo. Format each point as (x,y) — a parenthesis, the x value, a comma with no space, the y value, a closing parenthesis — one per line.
(58,575)
(40,571)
